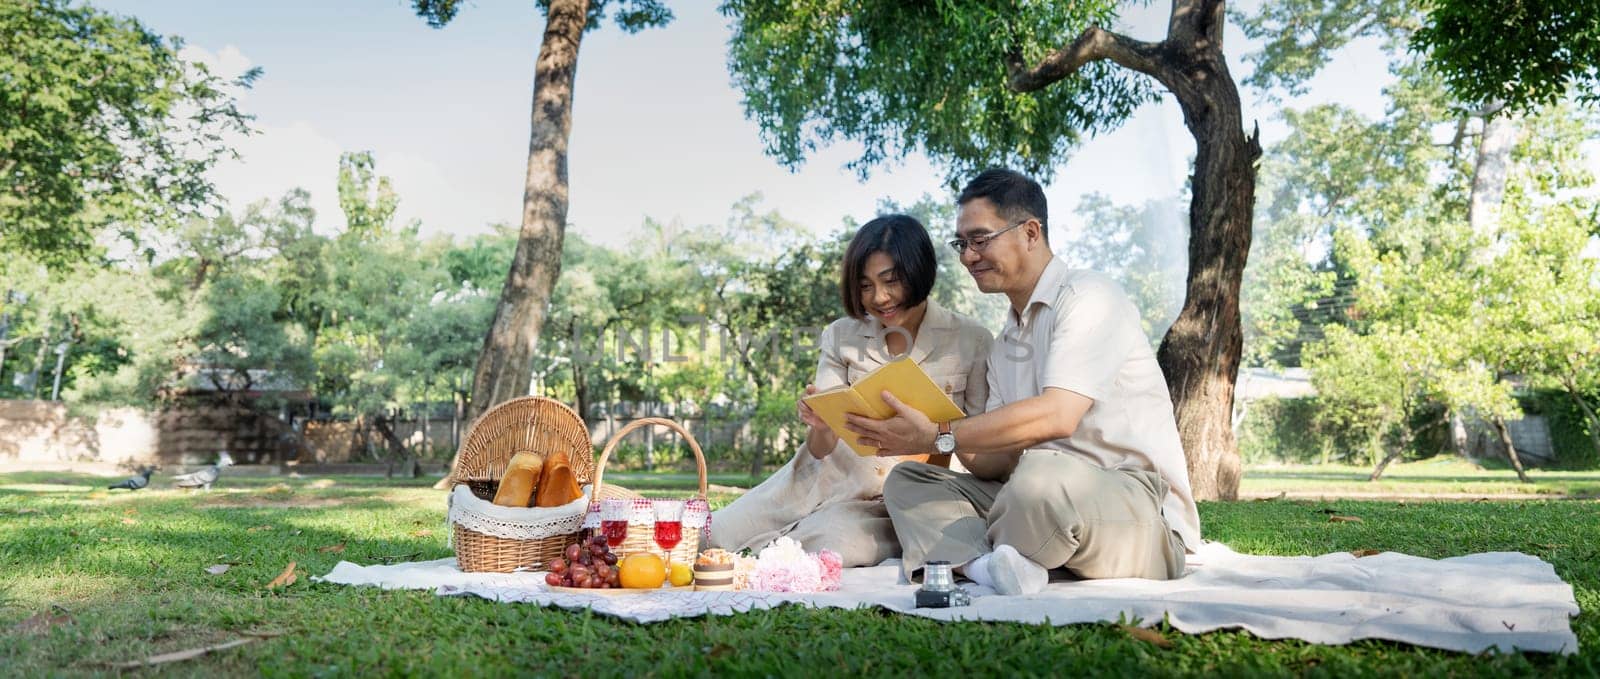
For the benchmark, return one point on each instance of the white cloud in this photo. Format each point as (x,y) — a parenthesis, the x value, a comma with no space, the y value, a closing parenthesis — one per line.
(227,63)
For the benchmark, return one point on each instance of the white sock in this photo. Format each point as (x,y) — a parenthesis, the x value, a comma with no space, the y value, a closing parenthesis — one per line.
(1009,572)
(977,570)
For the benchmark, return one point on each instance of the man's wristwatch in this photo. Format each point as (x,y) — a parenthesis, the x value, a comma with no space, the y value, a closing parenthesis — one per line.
(945,441)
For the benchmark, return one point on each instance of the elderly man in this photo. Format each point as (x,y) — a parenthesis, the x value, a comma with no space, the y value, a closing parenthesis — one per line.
(1076,462)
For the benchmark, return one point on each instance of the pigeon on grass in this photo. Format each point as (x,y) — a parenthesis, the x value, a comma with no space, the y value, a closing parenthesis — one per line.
(135,482)
(206,476)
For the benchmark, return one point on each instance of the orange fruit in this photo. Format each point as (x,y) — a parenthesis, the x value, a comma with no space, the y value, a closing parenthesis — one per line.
(641,571)
(679,574)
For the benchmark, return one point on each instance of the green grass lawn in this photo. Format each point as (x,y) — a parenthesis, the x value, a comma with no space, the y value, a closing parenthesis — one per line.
(1441,475)
(127,572)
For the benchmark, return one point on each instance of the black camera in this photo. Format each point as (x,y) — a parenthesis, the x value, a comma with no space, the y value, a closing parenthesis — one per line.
(939,588)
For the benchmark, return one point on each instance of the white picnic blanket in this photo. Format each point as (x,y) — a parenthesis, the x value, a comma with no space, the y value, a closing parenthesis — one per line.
(1502,600)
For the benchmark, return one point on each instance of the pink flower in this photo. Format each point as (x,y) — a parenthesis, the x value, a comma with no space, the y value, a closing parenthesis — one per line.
(830,566)
(784,567)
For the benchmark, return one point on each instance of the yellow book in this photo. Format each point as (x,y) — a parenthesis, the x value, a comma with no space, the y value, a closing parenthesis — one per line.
(901,377)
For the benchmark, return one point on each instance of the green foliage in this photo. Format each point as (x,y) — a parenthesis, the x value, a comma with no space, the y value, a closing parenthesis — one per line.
(1570,435)
(1299,36)
(1287,430)
(368,201)
(902,77)
(1528,53)
(631,15)
(1440,317)
(239,344)
(1142,247)
(102,126)
(1524,54)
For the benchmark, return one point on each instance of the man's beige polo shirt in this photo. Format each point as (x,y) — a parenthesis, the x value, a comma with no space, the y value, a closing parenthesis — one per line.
(1080,332)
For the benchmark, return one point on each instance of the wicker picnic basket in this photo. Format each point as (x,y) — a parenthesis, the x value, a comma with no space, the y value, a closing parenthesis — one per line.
(641,533)
(525,424)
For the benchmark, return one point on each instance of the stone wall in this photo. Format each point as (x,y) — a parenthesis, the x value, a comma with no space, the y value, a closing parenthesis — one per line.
(42,431)
(186,434)
(190,433)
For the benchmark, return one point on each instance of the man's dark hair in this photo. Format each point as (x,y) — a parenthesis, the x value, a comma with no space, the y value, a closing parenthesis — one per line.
(906,242)
(1015,196)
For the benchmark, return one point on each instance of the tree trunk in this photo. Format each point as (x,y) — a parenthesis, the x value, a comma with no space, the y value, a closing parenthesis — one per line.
(505,365)
(384,425)
(1511,449)
(1458,435)
(580,388)
(1391,456)
(44,348)
(755,460)
(1407,435)
(1200,353)
(1489,173)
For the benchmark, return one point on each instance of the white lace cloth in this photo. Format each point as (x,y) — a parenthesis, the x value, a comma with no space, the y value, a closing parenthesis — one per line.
(519,523)
(1503,600)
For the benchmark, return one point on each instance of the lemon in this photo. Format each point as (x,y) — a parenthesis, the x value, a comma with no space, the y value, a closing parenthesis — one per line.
(641,571)
(679,574)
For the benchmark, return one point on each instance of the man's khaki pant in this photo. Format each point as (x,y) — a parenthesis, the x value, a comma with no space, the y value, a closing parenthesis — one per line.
(1057,509)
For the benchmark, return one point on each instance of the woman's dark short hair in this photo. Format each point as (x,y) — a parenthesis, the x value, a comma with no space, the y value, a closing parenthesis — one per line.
(906,242)
(1015,196)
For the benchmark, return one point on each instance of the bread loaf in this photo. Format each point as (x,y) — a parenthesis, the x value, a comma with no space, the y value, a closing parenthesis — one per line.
(558,485)
(520,481)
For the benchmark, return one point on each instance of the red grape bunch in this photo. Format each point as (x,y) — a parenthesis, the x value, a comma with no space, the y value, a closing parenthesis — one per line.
(588,564)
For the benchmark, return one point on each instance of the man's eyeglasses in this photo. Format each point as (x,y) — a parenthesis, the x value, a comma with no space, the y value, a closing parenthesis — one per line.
(979,243)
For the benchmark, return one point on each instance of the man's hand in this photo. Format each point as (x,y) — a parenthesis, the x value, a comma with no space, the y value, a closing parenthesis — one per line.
(909,432)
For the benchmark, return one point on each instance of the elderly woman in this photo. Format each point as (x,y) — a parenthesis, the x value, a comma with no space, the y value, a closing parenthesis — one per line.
(828,497)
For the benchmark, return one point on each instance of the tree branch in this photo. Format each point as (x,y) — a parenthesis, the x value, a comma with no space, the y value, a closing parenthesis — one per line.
(1093,44)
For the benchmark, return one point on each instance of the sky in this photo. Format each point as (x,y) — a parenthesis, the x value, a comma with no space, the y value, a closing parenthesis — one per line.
(658,129)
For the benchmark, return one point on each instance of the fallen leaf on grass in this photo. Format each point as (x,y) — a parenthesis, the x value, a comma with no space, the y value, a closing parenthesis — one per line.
(421,533)
(130,522)
(183,655)
(218,569)
(1344,519)
(257,529)
(284,579)
(332,549)
(1362,553)
(43,621)
(1148,635)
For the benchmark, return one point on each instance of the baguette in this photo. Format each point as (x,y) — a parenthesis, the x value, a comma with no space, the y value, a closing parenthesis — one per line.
(520,481)
(558,485)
